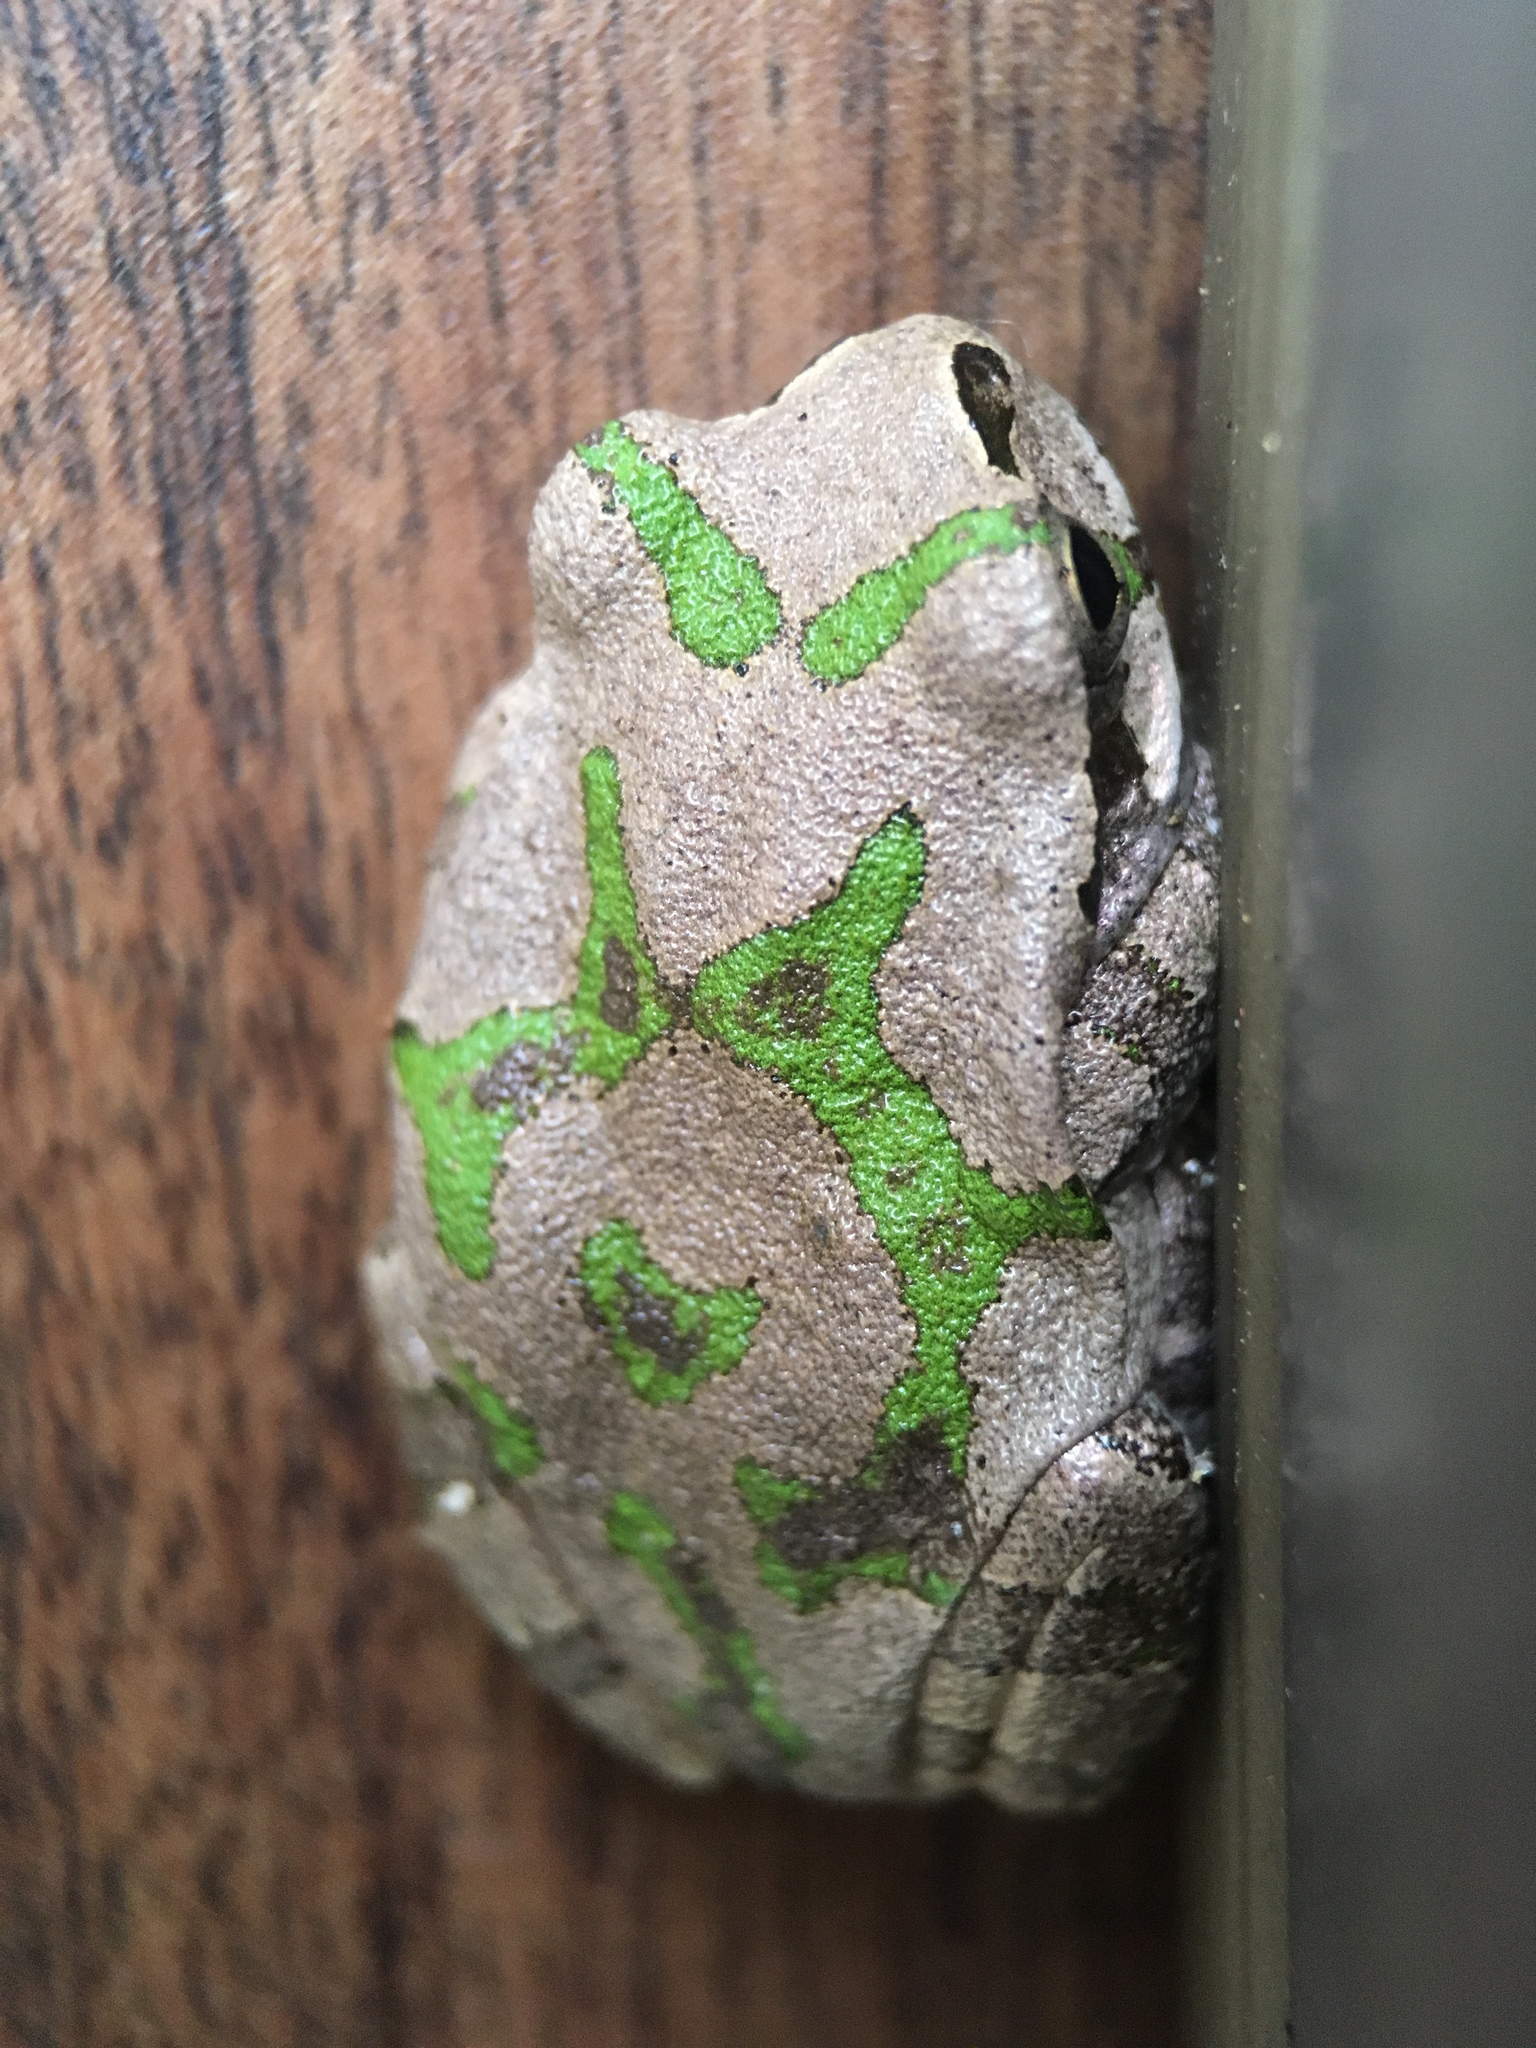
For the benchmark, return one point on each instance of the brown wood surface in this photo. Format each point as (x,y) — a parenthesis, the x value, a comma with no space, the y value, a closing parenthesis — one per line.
(299,301)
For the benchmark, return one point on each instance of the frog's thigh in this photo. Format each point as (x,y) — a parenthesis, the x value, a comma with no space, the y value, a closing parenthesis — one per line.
(1067,1655)
(490,1545)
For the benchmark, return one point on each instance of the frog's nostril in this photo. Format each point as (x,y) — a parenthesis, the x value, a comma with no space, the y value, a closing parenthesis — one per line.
(1096,578)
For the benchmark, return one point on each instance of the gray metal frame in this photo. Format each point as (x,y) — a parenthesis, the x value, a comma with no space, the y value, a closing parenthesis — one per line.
(1410,1217)
(1266,144)
(1364,1828)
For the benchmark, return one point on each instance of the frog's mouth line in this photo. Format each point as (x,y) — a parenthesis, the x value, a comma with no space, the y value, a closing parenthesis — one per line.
(1104,580)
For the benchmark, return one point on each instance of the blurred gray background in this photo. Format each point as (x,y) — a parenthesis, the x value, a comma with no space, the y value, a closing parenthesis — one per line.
(1410,1222)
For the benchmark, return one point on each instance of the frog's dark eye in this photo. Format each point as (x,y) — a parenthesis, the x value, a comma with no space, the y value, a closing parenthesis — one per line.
(1096,578)
(986,392)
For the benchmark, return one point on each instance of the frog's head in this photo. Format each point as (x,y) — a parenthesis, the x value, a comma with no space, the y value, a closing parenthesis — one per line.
(944,402)
(699,566)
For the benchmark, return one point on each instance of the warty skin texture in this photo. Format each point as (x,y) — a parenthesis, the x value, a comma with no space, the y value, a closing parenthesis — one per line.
(841,893)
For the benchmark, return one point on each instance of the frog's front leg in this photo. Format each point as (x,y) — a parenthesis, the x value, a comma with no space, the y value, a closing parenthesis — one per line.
(1068,1653)
(1143,1029)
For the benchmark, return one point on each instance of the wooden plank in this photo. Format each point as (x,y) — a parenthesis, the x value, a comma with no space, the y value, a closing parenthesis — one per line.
(298,306)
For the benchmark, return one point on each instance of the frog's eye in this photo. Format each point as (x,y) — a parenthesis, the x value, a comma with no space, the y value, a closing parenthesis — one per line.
(1097,583)
(986,395)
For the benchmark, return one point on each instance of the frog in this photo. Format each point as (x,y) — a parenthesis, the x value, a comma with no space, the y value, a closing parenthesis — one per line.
(796,1296)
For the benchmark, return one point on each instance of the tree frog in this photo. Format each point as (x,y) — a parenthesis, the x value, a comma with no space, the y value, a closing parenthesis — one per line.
(796,1290)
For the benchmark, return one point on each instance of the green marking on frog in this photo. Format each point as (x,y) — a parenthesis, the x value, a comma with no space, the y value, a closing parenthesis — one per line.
(815,1535)
(722,609)
(807,1587)
(637,1531)
(795,1002)
(510,1435)
(467,1094)
(1130,575)
(842,641)
(765,1496)
(666,1337)
(799,1003)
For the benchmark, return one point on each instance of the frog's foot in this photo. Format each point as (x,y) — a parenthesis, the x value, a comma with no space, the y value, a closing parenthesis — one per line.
(1066,1657)
(473,1519)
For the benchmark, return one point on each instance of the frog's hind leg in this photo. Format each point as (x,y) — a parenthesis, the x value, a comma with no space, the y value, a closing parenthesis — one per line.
(1066,1657)
(476,1521)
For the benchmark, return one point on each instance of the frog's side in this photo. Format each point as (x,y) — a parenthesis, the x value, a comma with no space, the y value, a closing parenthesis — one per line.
(796,1304)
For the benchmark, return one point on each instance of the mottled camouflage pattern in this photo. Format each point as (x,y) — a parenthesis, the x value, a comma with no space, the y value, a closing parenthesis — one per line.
(754,1556)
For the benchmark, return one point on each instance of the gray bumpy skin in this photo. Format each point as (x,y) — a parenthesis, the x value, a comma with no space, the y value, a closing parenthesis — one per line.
(796,1291)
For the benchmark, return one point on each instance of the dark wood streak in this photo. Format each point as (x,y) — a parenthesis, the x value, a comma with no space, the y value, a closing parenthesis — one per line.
(298,305)
(614,70)
(868,89)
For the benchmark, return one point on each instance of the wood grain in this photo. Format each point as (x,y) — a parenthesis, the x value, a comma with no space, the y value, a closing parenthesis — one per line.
(298,304)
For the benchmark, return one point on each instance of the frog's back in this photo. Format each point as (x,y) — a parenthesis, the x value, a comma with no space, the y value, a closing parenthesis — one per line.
(775,1307)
